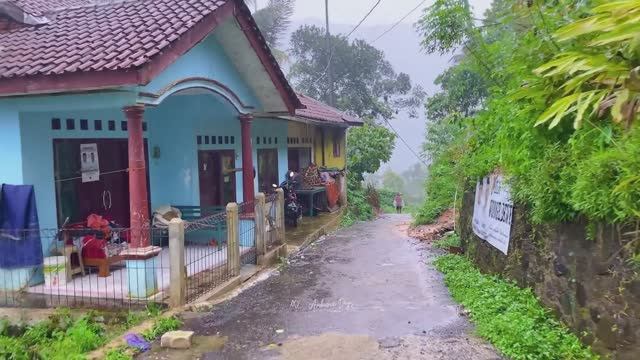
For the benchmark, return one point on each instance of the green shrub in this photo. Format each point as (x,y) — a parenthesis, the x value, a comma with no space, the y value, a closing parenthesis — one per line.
(441,187)
(386,200)
(161,326)
(13,349)
(358,208)
(447,241)
(509,317)
(121,353)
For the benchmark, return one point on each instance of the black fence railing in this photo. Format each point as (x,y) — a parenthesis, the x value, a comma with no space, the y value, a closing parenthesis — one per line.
(82,267)
(206,254)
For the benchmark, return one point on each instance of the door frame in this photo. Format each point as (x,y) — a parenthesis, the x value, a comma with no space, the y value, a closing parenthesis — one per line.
(55,141)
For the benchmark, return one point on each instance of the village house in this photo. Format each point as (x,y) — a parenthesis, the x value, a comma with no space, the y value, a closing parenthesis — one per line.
(116,108)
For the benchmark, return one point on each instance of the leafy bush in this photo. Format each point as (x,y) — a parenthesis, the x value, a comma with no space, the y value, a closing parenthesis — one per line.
(161,326)
(441,189)
(517,76)
(13,349)
(447,241)
(358,208)
(121,353)
(386,200)
(82,337)
(63,336)
(509,317)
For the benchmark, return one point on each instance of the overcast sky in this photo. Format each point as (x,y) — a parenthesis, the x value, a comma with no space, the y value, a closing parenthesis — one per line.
(352,11)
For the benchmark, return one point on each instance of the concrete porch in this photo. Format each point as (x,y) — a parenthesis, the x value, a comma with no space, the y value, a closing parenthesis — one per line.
(198,259)
(310,229)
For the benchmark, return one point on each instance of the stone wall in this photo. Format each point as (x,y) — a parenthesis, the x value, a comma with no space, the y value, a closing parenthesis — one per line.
(586,280)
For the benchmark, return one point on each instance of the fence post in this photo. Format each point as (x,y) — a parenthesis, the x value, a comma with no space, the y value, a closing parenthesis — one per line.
(261,244)
(233,243)
(343,188)
(280,216)
(177,277)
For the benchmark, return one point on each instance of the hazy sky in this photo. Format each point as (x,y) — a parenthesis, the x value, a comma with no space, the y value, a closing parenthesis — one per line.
(352,11)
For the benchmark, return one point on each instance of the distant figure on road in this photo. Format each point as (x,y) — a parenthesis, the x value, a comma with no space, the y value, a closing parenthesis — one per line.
(398,203)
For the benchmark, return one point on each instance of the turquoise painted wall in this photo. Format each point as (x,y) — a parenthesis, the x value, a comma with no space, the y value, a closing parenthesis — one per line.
(207,60)
(173,127)
(10,145)
(37,149)
(274,128)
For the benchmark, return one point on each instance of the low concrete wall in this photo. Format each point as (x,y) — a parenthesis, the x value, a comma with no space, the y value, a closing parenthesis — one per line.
(588,283)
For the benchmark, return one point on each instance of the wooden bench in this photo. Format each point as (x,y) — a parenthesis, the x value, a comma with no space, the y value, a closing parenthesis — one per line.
(217,231)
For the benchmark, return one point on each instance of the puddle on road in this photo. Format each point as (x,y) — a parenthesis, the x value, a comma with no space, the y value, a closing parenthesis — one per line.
(331,346)
(199,346)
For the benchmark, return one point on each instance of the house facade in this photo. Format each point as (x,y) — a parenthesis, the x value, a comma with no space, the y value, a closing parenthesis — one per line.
(117,108)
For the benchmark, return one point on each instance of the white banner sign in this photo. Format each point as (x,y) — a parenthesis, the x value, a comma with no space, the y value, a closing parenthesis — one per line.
(493,211)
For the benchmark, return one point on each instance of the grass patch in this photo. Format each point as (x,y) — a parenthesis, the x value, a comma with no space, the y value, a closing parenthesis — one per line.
(509,317)
(447,241)
(121,353)
(60,337)
(65,336)
(161,326)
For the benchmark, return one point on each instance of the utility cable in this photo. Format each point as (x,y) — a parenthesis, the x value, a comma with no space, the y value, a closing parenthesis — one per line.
(406,144)
(331,51)
(399,21)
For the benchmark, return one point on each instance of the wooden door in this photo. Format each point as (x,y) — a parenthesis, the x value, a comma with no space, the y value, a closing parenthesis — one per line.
(216,177)
(108,197)
(267,169)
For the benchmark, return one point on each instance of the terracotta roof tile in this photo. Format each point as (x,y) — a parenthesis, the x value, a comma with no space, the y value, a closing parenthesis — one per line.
(83,36)
(316,110)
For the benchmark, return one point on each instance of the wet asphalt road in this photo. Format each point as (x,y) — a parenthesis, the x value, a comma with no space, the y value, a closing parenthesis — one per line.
(366,292)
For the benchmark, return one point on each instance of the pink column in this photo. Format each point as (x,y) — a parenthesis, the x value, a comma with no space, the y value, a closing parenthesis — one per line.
(247,158)
(138,193)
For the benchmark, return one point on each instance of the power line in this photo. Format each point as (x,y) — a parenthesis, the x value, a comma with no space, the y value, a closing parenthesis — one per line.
(364,18)
(399,21)
(324,72)
(407,144)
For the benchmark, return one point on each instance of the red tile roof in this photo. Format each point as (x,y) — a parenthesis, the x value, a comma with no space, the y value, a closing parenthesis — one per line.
(116,39)
(42,7)
(318,111)
(94,38)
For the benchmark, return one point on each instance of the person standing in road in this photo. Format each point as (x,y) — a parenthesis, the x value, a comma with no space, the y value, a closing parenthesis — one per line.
(398,203)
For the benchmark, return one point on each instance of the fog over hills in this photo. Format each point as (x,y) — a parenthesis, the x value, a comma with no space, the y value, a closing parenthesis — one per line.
(402,48)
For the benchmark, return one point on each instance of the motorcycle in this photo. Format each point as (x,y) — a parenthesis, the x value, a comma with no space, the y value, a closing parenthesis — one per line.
(292,208)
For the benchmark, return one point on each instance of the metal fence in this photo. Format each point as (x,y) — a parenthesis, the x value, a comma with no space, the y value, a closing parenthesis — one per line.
(205,254)
(81,267)
(247,233)
(271,224)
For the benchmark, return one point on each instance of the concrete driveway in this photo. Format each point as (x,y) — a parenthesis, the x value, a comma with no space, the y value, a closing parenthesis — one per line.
(366,292)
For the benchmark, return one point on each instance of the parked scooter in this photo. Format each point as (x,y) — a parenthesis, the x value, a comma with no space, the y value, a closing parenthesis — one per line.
(292,208)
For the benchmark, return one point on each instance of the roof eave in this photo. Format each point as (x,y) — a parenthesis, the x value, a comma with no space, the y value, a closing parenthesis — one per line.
(81,81)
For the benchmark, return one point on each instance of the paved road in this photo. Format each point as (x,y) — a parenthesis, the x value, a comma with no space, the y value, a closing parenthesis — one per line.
(366,292)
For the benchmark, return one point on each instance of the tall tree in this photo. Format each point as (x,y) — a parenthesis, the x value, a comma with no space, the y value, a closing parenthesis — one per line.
(365,83)
(273,20)
(369,147)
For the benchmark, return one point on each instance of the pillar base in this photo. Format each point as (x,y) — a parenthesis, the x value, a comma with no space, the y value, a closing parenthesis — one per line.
(142,267)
